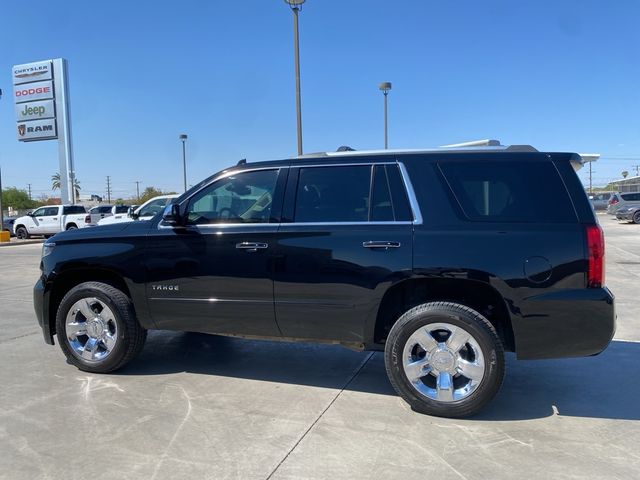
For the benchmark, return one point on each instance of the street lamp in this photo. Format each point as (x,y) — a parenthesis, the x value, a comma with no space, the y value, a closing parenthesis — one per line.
(296,6)
(385,87)
(183,138)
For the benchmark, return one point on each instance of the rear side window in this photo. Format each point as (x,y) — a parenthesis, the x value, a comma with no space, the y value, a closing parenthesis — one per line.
(122,208)
(631,197)
(514,192)
(74,209)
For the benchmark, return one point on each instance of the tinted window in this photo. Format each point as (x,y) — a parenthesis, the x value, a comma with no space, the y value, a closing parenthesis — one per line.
(381,204)
(50,211)
(510,191)
(39,212)
(631,197)
(333,194)
(74,209)
(122,208)
(401,207)
(241,198)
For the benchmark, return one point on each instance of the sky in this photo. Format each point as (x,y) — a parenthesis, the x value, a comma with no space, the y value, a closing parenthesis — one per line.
(559,75)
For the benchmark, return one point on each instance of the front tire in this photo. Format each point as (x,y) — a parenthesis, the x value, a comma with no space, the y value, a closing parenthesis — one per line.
(636,217)
(97,328)
(444,359)
(22,233)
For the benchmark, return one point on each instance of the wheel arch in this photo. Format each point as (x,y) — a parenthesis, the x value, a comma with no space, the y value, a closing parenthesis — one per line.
(474,294)
(69,225)
(71,278)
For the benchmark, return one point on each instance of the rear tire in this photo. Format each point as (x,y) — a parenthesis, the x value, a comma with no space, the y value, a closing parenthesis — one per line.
(72,226)
(636,217)
(444,359)
(97,328)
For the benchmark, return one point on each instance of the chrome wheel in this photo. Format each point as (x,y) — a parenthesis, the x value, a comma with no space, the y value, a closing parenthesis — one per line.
(91,329)
(443,362)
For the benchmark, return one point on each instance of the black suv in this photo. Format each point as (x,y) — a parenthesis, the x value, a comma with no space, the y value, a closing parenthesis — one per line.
(444,259)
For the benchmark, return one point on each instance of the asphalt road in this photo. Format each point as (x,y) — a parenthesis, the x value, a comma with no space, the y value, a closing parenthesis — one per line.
(198,406)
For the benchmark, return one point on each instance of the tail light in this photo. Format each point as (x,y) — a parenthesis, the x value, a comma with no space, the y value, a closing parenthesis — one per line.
(87,219)
(595,254)
(613,200)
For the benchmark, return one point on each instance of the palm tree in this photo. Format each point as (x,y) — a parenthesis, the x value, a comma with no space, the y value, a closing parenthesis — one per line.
(55,184)
(55,181)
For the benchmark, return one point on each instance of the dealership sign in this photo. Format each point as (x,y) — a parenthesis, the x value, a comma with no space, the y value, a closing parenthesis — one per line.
(35,110)
(34,98)
(37,129)
(41,99)
(32,72)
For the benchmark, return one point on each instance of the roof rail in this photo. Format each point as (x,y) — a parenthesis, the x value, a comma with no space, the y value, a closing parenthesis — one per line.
(476,146)
(475,143)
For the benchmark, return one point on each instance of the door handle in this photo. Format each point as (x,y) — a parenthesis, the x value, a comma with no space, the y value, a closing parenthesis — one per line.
(251,246)
(386,244)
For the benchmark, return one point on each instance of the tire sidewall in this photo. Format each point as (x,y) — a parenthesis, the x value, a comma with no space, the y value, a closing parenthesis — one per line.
(22,233)
(119,349)
(489,344)
(636,217)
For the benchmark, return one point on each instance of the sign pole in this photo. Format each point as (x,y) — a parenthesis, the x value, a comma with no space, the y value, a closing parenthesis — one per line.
(65,147)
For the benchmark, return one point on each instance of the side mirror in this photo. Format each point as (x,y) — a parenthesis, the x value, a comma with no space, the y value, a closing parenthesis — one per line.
(29,214)
(132,213)
(171,215)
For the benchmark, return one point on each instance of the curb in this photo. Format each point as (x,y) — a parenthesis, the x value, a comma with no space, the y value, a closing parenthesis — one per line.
(21,242)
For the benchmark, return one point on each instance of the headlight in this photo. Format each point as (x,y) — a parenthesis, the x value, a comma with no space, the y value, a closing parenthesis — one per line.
(47,248)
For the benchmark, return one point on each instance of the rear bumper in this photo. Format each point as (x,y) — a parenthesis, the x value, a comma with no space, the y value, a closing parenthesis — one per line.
(41,306)
(571,323)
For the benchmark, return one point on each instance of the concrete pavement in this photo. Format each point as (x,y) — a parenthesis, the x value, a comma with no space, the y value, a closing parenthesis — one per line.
(199,406)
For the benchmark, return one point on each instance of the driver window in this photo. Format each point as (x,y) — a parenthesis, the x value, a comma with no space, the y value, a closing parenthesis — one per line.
(39,212)
(241,198)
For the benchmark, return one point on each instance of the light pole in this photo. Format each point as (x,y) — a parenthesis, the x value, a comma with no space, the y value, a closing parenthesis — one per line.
(183,138)
(385,87)
(296,6)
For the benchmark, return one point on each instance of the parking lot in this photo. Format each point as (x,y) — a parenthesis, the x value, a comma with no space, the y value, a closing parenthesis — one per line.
(199,406)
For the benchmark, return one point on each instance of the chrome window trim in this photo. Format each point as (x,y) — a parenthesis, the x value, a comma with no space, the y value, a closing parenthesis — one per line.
(320,224)
(359,164)
(413,201)
(283,224)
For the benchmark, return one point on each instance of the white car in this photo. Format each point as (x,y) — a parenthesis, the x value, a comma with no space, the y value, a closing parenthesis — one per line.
(146,211)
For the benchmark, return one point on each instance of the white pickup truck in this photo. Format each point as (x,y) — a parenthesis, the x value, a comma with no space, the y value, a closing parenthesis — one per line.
(50,220)
(103,211)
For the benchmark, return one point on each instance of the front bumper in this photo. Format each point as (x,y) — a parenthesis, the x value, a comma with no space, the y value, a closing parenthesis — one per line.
(41,306)
(569,323)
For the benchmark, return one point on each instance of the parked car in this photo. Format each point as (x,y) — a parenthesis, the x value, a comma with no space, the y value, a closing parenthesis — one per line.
(145,212)
(443,259)
(103,211)
(7,225)
(47,221)
(600,201)
(618,200)
(629,213)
